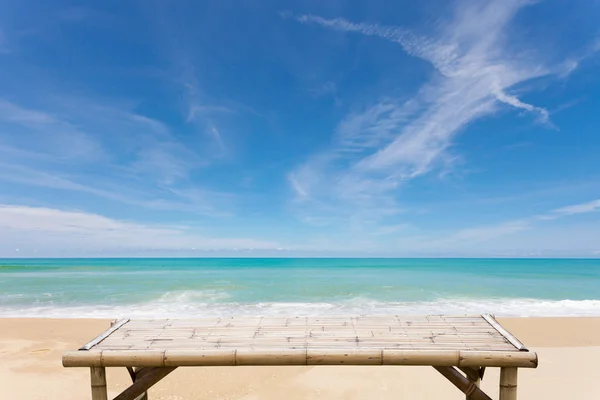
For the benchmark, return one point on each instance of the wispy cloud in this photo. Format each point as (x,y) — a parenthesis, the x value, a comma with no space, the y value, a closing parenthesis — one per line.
(206,111)
(544,115)
(40,230)
(357,136)
(28,176)
(572,63)
(536,235)
(14,113)
(328,88)
(487,233)
(295,182)
(413,44)
(197,110)
(45,133)
(391,142)
(573,209)
(203,117)
(143,162)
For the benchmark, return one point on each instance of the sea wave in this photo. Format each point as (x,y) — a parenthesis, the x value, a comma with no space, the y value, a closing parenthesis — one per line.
(194,305)
(192,296)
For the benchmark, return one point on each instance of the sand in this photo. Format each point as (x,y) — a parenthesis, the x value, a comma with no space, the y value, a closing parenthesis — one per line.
(31,349)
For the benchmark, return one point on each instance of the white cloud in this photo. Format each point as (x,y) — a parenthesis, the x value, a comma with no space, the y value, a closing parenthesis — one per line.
(510,233)
(572,63)
(14,113)
(579,208)
(485,233)
(165,161)
(143,163)
(472,239)
(300,191)
(375,126)
(45,134)
(386,144)
(78,122)
(24,175)
(328,88)
(508,241)
(44,230)
(189,200)
(410,42)
(544,116)
(198,109)
(574,209)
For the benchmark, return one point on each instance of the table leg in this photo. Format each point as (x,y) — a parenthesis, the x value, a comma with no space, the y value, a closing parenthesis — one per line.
(98,380)
(508,383)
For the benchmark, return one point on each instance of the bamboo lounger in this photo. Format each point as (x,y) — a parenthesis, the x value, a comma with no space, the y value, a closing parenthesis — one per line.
(151,349)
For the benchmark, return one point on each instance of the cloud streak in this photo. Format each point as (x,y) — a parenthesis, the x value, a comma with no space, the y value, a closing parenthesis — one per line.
(544,115)
(143,162)
(529,236)
(574,209)
(489,232)
(41,230)
(391,142)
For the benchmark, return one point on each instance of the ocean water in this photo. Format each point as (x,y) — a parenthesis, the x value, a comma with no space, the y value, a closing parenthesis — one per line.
(112,288)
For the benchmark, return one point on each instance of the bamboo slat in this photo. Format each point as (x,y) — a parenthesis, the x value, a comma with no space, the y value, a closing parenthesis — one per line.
(104,334)
(513,340)
(470,341)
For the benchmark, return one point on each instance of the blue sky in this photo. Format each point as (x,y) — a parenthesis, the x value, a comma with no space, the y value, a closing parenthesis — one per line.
(380,128)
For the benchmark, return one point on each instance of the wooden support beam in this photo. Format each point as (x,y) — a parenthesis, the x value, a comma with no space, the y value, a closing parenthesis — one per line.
(473,375)
(98,380)
(508,383)
(139,373)
(149,378)
(463,384)
(131,373)
(136,373)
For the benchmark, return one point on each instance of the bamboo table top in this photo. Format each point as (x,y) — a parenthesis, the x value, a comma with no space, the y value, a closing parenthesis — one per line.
(329,340)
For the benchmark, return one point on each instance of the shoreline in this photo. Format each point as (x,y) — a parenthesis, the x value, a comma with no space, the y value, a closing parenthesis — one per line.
(188,303)
(31,350)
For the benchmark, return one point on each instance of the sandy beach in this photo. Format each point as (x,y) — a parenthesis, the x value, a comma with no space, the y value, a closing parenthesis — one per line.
(31,350)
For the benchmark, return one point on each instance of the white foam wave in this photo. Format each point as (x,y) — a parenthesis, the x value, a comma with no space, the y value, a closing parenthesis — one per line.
(189,296)
(195,305)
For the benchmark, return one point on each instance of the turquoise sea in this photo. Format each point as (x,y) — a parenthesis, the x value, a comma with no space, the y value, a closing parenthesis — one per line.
(177,287)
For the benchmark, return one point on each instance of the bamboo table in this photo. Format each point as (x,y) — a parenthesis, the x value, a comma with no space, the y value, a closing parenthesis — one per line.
(151,349)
